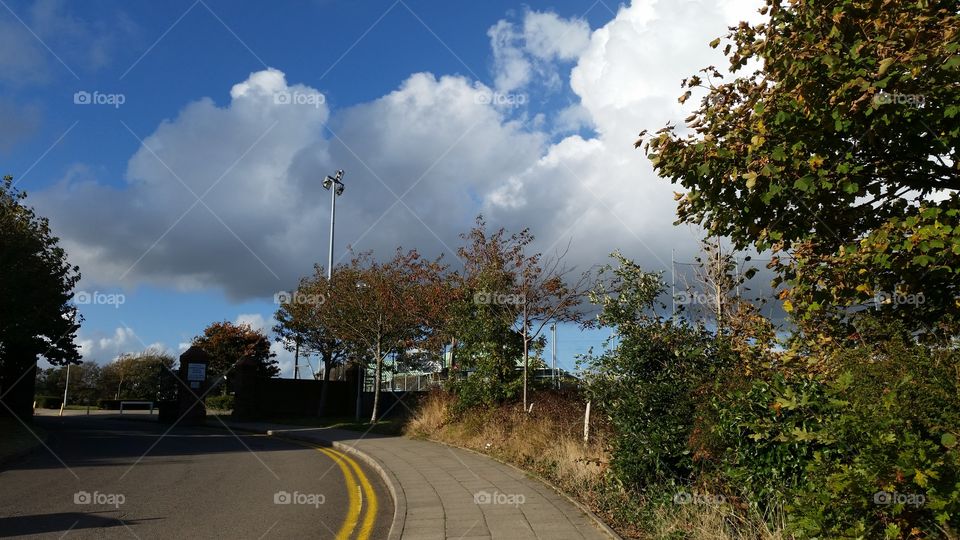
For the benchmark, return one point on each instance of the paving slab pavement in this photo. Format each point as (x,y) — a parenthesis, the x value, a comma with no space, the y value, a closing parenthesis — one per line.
(442,492)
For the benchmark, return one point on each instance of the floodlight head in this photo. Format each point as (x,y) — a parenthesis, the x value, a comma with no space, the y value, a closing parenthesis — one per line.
(339,188)
(327,182)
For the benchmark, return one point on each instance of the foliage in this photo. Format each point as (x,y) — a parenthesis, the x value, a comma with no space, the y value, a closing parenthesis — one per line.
(300,322)
(868,451)
(129,376)
(651,378)
(839,146)
(135,376)
(36,285)
(228,343)
(380,308)
(220,403)
(504,300)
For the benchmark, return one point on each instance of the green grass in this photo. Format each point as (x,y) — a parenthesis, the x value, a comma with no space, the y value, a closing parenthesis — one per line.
(15,439)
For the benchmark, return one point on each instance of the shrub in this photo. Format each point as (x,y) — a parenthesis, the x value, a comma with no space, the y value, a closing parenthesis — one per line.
(651,387)
(219,403)
(48,402)
(870,451)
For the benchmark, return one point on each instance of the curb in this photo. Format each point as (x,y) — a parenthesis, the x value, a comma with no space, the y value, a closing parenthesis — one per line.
(599,523)
(390,479)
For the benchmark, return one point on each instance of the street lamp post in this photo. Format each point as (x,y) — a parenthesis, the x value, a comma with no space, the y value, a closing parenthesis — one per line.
(335,185)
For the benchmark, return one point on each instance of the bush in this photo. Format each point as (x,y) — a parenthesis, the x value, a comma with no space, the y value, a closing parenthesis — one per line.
(651,387)
(220,403)
(870,451)
(48,402)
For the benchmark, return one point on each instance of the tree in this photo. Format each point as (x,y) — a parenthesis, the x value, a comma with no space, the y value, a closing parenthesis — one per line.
(378,309)
(36,285)
(839,149)
(514,290)
(228,343)
(135,376)
(300,326)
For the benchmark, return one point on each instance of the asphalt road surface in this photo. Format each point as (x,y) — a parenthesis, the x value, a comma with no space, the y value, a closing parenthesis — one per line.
(105,477)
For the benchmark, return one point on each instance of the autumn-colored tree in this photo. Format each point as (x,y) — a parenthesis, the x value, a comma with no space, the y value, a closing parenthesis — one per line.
(380,308)
(507,297)
(36,285)
(301,328)
(228,343)
(837,147)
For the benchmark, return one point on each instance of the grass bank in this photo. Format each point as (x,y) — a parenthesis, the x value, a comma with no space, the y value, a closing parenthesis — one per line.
(548,442)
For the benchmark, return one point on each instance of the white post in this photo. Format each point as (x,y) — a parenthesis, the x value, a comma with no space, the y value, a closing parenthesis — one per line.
(556,381)
(586,424)
(65,388)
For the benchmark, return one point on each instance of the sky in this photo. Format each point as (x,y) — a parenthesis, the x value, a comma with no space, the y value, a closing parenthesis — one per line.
(178,147)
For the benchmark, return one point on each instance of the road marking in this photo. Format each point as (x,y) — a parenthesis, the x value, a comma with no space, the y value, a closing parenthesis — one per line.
(353,514)
(353,476)
(371,513)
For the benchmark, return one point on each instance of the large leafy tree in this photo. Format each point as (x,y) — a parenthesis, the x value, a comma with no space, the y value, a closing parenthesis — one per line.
(835,143)
(228,343)
(36,285)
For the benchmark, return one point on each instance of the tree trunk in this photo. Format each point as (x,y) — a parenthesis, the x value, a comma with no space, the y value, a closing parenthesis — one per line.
(17,387)
(526,356)
(376,385)
(327,366)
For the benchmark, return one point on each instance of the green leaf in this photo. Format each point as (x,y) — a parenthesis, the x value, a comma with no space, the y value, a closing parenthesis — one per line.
(949,440)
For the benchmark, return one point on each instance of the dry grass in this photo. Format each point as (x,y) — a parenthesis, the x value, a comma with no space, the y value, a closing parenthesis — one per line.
(548,442)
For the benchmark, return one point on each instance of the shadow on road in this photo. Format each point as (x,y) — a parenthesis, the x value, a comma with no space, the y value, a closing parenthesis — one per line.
(60,522)
(91,441)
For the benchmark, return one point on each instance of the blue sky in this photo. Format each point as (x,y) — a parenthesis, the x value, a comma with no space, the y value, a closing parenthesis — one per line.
(192,190)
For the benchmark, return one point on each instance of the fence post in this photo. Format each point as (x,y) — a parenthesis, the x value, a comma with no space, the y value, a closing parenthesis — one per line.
(586,424)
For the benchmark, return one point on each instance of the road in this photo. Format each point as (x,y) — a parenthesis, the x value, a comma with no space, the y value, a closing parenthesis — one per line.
(107,477)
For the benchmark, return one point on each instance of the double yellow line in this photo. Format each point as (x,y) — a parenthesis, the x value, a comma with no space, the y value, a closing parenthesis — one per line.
(362,511)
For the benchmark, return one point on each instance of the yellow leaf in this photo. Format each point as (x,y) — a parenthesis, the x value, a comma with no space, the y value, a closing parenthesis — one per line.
(884,65)
(788,306)
(920,479)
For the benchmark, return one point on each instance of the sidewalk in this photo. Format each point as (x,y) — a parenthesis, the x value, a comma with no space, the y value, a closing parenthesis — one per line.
(442,492)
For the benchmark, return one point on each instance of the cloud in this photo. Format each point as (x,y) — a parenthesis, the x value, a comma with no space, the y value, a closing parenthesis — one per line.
(38,39)
(230,196)
(533,48)
(105,348)
(255,321)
